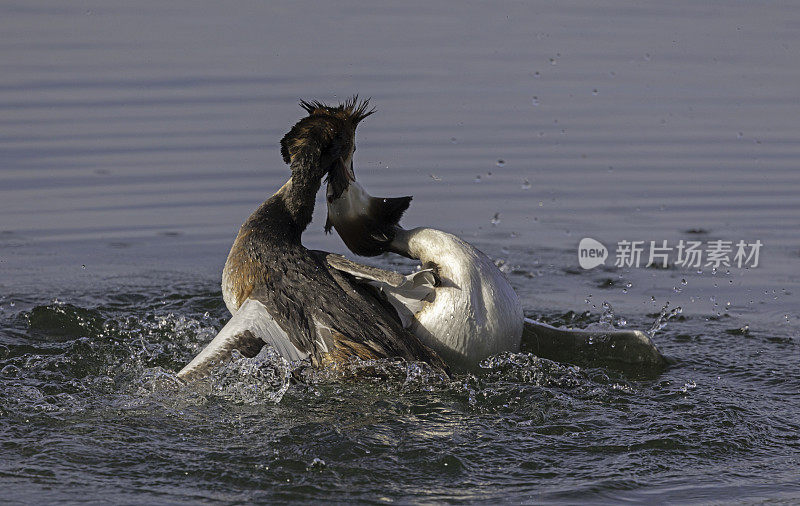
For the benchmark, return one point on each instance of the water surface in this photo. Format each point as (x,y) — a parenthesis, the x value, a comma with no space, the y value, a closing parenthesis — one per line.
(134,139)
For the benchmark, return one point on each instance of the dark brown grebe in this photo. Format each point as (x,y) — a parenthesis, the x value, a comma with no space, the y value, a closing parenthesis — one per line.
(292,298)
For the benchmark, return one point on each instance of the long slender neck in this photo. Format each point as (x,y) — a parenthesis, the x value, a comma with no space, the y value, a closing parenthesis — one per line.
(285,215)
(298,195)
(429,245)
(407,242)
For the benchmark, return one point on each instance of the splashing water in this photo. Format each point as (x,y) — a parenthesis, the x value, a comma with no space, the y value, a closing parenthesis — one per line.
(263,378)
(661,321)
(99,375)
(608,320)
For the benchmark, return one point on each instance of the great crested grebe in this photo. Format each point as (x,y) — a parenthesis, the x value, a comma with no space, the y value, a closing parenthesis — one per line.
(472,312)
(295,299)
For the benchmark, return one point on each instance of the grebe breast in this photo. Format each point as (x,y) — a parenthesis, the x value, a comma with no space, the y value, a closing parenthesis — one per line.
(475,312)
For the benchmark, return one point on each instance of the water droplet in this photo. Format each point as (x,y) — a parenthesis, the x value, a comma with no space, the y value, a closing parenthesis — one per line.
(553,61)
(83,266)
(647,56)
(535,101)
(594,92)
(526,185)
(608,315)
(12,303)
(317,463)
(537,75)
(495,219)
(500,162)
(740,135)
(663,318)
(683,282)
(453,140)
(477,179)
(435,177)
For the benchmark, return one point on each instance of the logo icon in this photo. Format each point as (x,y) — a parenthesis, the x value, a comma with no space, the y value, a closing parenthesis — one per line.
(591,253)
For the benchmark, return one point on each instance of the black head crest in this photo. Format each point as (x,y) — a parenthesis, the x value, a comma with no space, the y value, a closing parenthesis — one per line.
(352,110)
(325,127)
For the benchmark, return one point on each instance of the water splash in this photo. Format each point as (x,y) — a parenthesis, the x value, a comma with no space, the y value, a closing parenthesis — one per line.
(608,320)
(388,370)
(663,318)
(262,379)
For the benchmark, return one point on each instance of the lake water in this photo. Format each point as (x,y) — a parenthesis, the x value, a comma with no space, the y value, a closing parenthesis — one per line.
(136,137)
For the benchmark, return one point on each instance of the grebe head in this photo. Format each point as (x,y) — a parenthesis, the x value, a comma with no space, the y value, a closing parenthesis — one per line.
(323,142)
(365,223)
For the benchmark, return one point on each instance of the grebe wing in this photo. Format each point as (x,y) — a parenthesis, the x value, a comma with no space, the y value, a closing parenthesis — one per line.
(569,345)
(387,277)
(323,339)
(407,294)
(247,331)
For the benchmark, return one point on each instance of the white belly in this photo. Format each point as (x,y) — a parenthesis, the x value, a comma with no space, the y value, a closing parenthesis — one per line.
(475,312)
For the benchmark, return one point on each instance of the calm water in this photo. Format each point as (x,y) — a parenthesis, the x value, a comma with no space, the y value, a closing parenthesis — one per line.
(134,139)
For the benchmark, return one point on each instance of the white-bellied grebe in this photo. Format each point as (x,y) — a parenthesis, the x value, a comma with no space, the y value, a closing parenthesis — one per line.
(472,312)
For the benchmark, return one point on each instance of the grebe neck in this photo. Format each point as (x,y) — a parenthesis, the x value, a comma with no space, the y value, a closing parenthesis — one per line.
(298,194)
(287,213)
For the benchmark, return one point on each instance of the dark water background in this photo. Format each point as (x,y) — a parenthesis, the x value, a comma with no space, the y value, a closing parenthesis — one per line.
(136,137)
